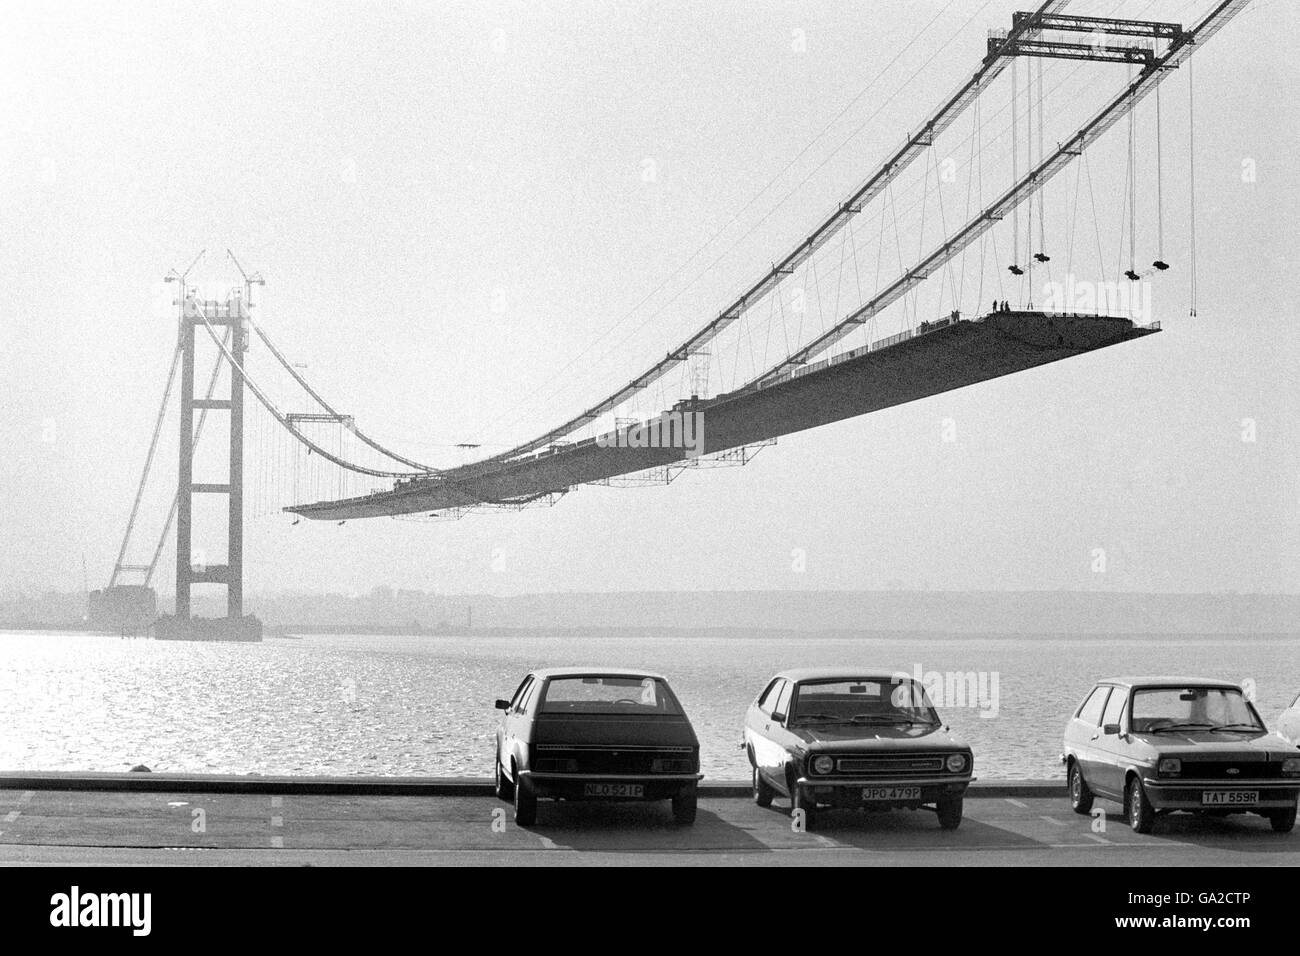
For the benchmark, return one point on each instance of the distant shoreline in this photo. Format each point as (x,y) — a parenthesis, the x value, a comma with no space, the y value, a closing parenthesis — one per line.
(289,632)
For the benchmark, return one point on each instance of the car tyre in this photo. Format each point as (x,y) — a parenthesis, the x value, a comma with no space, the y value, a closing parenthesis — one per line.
(525,802)
(1080,793)
(504,786)
(1141,815)
(684,803)
(950,809)
(763,792)
(1283,821)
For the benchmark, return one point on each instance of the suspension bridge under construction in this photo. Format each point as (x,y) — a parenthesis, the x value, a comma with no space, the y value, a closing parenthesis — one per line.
(952,306)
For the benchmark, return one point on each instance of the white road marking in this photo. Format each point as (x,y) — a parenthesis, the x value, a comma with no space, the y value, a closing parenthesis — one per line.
(277,821)
(12,815)
(1052,820)
(827,842)
(1097,838)
(277,843)
(1113,844)
(1017,803)
(547,843)
(277,801)
(27,795)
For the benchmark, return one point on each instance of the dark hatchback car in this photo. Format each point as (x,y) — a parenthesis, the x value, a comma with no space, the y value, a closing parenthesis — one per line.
(1164,744)
(595,734)
(845,739)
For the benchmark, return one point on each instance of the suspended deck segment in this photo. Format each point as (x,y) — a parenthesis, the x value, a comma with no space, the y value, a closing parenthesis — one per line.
(940,357)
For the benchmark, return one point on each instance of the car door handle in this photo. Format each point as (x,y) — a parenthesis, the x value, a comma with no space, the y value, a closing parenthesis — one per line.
(1094,736)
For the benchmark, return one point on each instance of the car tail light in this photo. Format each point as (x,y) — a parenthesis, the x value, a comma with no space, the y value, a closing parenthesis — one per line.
(1170,766)
(955,763)
(1291,767)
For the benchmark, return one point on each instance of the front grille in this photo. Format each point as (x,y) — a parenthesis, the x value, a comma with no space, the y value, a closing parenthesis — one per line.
(901,765)
(1218,770)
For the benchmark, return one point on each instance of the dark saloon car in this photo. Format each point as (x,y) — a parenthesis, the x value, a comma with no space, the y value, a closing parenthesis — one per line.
(841,738)
(595,734)
(1162,744)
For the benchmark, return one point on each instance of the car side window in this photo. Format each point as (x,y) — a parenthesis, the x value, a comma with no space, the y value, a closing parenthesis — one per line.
(783,700)
(1090,712)
(767,703)
(1115,706)
(517,702)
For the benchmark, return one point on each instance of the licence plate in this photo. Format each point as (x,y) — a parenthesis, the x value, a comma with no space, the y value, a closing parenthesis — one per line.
(1230,798)
(613,790)
(891,793)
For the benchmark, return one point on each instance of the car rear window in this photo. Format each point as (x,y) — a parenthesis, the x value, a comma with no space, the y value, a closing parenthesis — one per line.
(598,694)
(862,700)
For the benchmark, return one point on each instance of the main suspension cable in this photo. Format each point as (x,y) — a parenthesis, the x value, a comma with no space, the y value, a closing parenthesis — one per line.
(287,425)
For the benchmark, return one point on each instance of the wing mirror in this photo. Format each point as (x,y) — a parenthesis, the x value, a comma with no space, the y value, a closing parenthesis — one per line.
(778,717)
(1110,729)
(502,704)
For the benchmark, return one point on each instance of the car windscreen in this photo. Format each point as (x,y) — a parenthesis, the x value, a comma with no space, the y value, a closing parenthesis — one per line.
(1156,708)
(599,694)
(862,701)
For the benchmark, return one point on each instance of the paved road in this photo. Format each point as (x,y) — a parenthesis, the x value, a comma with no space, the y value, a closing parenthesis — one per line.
(97,827)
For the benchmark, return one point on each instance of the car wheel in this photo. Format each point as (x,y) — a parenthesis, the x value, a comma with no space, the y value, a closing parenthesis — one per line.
(763,792)
(525,802)
(1080,794)
(1141,815)
(505,788)
(1283,821)
(950,809)
(801,801)
(684,802)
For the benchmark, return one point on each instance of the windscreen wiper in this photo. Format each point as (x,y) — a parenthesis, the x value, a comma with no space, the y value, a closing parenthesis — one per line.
(1183,726)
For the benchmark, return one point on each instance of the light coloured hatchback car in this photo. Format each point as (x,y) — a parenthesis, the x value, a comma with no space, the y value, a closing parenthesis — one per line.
(1164,744)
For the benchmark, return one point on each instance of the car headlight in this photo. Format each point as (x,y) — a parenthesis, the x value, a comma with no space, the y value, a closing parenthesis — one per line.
(1169,767)
(823,764)
(955,763)
(1291,767)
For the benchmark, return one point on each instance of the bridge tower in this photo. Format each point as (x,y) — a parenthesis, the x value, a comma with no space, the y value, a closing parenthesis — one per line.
(197,313)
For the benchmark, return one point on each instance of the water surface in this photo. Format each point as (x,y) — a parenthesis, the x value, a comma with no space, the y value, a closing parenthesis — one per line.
(357,704)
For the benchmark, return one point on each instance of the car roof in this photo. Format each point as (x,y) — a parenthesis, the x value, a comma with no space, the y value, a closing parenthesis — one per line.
(546,673)
(1168,681)
(807,674)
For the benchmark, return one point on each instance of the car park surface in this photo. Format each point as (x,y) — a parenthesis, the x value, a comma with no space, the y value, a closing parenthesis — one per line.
(1034,827)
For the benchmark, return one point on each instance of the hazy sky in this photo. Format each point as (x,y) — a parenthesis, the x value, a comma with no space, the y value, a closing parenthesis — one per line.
(450,201)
